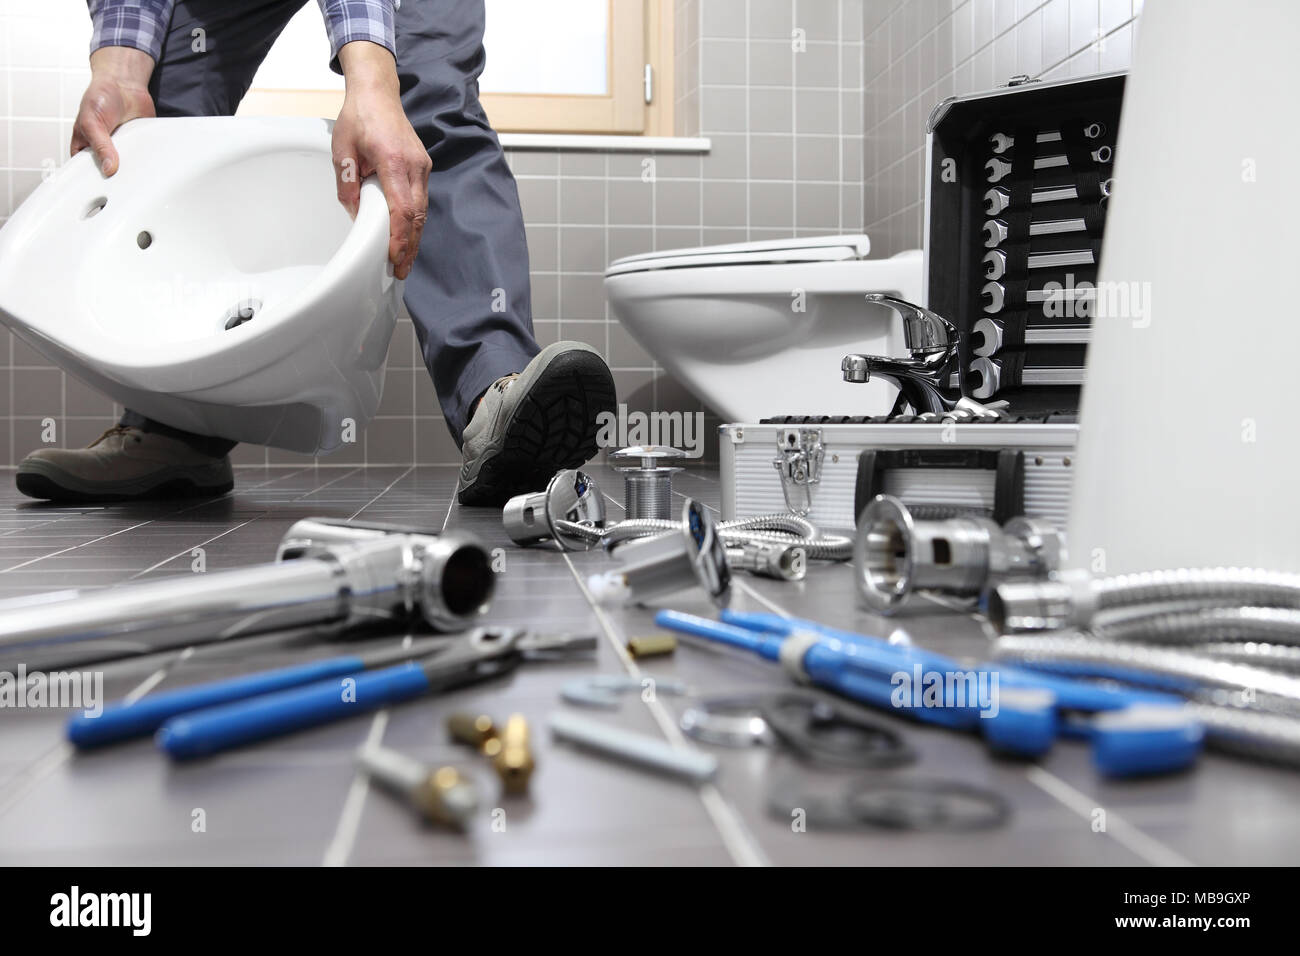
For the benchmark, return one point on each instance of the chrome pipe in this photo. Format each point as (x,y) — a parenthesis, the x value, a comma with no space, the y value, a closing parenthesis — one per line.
(326,574)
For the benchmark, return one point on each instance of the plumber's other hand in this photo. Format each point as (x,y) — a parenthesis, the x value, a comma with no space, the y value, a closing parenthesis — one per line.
(118,92)
(373,135)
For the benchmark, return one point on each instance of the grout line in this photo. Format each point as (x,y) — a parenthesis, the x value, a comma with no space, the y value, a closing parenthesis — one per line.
(339,850)
(736,837)
(386,490)
(1142,845)
(345,833)
(178,554)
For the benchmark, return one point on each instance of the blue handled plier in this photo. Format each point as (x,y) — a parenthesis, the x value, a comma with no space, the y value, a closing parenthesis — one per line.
(207,718)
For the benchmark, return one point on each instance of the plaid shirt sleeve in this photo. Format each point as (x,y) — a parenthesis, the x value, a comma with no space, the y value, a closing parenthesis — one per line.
(141,24)
(348,20)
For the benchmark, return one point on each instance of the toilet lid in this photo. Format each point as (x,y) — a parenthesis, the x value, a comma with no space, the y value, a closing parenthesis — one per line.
(767,252)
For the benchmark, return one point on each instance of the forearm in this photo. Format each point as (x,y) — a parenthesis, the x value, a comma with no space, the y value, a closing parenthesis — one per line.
(126,66)
(368,68)
(130,24)
(350,21)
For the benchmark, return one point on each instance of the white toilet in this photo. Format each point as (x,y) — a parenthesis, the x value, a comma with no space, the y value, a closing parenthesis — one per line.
(758,329)
(214,283)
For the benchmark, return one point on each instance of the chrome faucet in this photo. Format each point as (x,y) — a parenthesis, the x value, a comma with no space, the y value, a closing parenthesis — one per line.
(931,342)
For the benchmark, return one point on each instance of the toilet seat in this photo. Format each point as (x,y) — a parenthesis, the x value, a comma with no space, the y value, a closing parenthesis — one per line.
(765,253)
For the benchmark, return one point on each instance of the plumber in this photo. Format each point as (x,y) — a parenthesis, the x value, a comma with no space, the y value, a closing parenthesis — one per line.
(410,116)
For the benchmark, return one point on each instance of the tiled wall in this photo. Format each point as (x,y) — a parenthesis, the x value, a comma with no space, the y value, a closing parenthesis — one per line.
(738,81)
(918,52)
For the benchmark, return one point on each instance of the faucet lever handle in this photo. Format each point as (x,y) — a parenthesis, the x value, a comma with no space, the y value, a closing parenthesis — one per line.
(924,332)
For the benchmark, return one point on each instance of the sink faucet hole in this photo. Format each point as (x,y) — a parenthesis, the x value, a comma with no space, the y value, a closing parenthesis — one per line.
(242,312)
(144,240)
(96,205)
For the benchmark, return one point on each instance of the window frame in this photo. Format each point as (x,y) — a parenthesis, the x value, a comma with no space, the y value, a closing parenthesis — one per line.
(640,34)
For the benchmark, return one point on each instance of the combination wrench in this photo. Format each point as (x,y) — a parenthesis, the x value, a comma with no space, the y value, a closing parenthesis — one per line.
(995,294)
(998,169)
(995,230)
(988,334)
(1001,142)
(997,199)
(995,261)
(989,371)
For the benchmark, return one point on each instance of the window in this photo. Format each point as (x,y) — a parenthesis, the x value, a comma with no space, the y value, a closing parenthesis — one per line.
(570,66)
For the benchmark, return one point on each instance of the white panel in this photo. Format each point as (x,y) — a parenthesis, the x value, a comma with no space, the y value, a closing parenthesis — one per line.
(547,46)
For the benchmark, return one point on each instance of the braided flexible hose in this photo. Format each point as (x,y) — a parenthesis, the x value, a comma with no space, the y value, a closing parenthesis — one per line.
(1250,733)
(1156,666)
(1281,657)
(1073,600)
(1233,586)
(779,529)
(1270,625)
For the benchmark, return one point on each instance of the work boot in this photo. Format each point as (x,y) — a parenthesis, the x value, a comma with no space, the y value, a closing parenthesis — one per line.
(532,424)
(122,464)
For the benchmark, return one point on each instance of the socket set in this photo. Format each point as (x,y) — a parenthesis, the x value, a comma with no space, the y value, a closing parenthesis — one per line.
(1018,184)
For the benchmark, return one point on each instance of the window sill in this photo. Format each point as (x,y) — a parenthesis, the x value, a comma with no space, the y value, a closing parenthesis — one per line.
(606,144)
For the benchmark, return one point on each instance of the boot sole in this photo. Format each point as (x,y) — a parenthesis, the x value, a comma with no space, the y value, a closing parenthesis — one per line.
(554,426)
(53,484)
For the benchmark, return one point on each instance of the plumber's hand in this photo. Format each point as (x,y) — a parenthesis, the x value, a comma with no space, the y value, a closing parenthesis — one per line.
(373,135)
(118,91)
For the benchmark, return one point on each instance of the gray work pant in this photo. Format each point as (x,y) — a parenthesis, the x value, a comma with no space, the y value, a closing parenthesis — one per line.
(474,239)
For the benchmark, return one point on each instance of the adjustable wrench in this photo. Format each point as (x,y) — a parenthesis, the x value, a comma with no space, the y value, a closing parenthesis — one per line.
(995,230)
(995,295)
(998,199)
(987,336)
(1001,142)
(998,169)
(995,261)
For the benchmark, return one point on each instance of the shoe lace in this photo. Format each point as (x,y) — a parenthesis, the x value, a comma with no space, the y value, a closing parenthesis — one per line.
(505,381)
(127,431)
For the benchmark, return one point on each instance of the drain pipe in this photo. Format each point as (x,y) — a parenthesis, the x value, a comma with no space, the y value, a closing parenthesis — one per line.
(647,479)
(326,572)
(896,555)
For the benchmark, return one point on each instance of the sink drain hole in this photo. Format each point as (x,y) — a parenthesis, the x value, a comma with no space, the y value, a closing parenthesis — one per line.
(144,240)
(242,312)
(95,207)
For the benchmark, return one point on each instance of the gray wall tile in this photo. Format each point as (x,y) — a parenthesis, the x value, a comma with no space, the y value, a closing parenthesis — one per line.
(738,81)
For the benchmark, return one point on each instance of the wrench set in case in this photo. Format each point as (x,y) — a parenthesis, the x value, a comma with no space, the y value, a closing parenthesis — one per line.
(1017,184)
(1018,181)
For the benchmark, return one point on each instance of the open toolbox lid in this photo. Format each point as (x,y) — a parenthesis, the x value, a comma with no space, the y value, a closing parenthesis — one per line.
(1028,220)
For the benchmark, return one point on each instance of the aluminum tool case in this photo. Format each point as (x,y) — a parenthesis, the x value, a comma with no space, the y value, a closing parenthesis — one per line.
(828,467)
(829,471)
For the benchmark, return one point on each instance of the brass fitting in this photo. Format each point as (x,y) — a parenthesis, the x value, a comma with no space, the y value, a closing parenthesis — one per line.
(514,762)
(651,646)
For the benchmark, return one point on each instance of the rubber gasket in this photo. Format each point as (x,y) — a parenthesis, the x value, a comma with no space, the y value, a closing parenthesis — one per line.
(926,804)
(821,731)
(908,804)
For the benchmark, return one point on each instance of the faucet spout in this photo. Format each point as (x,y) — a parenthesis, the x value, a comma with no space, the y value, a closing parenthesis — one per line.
(931,342)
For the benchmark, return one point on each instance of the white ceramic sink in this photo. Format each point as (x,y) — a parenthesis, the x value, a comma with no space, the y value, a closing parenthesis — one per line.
(214,283)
